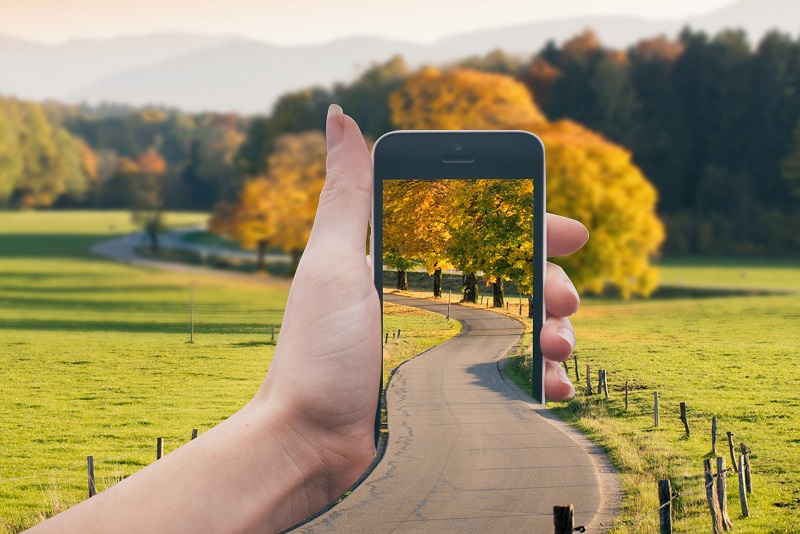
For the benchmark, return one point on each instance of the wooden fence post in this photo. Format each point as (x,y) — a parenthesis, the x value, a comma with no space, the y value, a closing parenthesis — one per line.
(191,314)
(747,478)
(683,418)
(194,433)
(399,331)
(159,448)
(563,517)
(387,339)
(588,379)
(599,381)
(665,506)
(714,435)
(605,383)
(577,376)
(711,497)
(90,471)
(742,492)
(730,447)
(655,408)
(626,395)
(520,304)
(722,493)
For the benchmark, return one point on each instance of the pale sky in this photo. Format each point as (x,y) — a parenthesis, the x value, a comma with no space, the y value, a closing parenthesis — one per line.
(285,22)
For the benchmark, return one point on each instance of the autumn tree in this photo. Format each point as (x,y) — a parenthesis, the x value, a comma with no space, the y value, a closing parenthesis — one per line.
(593,180)
(589,178)
(461,99)
(147,194)
(416,219)
(492,231)
(277,209)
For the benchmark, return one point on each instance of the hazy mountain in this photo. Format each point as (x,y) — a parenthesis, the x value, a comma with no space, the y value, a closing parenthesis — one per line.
(235,74)
(38,71)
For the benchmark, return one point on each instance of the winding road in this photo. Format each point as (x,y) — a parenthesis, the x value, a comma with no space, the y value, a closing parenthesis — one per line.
(467,452)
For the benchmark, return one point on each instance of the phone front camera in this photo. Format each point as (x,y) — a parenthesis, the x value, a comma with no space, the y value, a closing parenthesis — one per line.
(459,147)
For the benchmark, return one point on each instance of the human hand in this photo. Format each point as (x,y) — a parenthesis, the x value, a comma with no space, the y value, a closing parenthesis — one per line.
(325,374)
(557,339)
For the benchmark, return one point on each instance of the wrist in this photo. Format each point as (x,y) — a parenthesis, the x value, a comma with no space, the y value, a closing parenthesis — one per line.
(321,463)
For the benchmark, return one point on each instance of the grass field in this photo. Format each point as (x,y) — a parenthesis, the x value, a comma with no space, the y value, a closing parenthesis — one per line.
(732,273)
(94,358)
(736,358)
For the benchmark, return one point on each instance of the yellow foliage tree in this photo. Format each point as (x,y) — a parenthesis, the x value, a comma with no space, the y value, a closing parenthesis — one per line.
(594,181)
(461,99)
(588,177)
(277,209)
(416,225)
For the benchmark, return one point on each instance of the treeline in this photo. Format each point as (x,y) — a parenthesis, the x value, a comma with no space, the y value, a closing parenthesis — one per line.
(54,155)
(713,122)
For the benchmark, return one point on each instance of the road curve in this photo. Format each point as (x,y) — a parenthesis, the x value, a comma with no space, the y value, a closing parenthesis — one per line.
(467,453)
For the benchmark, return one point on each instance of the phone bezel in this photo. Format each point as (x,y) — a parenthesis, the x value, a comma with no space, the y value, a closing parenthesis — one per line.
(496,154)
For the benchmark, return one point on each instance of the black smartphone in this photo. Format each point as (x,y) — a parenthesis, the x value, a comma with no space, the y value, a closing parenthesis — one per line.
(463,210)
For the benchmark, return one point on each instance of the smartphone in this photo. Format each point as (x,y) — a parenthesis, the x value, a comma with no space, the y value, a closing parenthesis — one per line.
(463,210)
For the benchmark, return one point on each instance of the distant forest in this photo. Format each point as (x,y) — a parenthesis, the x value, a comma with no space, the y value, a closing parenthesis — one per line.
(713,123)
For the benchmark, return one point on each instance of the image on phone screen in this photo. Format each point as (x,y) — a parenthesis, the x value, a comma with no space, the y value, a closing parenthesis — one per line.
(464,241)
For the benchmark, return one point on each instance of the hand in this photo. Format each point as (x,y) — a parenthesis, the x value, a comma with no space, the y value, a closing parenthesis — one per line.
(564,236)
(325,374)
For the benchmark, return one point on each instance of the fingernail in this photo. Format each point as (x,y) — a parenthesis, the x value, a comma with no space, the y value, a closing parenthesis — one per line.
(562,376)
(571,289)
(567,335)
(335,126)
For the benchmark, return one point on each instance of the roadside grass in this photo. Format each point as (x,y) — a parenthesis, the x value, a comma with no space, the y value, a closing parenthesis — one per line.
(736,358)
(95,359)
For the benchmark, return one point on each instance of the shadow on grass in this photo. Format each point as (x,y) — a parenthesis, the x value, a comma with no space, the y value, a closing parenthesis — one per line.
(48,246)
(80,325)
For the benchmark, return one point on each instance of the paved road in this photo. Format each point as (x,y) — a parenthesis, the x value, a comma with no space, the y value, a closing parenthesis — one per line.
(467,453)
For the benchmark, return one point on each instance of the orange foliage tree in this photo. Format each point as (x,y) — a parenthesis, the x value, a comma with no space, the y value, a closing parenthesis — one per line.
(277,209)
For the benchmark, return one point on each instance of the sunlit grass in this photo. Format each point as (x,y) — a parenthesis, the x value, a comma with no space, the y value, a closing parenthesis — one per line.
(735,358)
(95,359)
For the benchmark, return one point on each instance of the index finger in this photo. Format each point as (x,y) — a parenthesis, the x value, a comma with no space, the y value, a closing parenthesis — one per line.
(564,235)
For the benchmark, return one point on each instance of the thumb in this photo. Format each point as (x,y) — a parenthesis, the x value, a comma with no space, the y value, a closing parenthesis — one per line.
(346,199)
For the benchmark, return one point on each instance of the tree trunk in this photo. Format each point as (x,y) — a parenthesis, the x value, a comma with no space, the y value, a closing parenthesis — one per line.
(153,232)
(530,307)
(497,288)
(471,288)
(402,280)
(262,249)
(437,283)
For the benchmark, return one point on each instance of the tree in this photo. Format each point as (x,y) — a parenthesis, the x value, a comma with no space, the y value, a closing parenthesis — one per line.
(147,198)
(10,156)
(790,166)
(278,208)
(416,218)
(461,99)
(593,180)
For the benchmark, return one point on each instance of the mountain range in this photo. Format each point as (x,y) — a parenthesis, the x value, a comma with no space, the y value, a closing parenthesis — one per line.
(231,73)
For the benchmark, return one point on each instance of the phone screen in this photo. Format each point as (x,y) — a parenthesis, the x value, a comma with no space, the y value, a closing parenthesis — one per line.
(458,240)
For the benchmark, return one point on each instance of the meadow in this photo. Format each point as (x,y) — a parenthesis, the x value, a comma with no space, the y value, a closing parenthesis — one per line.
(731,357)
(95,358)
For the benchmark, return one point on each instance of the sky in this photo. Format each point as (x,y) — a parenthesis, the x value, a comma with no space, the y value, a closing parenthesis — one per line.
(297,22)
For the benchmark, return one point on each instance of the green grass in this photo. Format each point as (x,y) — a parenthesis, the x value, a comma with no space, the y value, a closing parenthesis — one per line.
(94,358)
(736,358)
(732,273)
